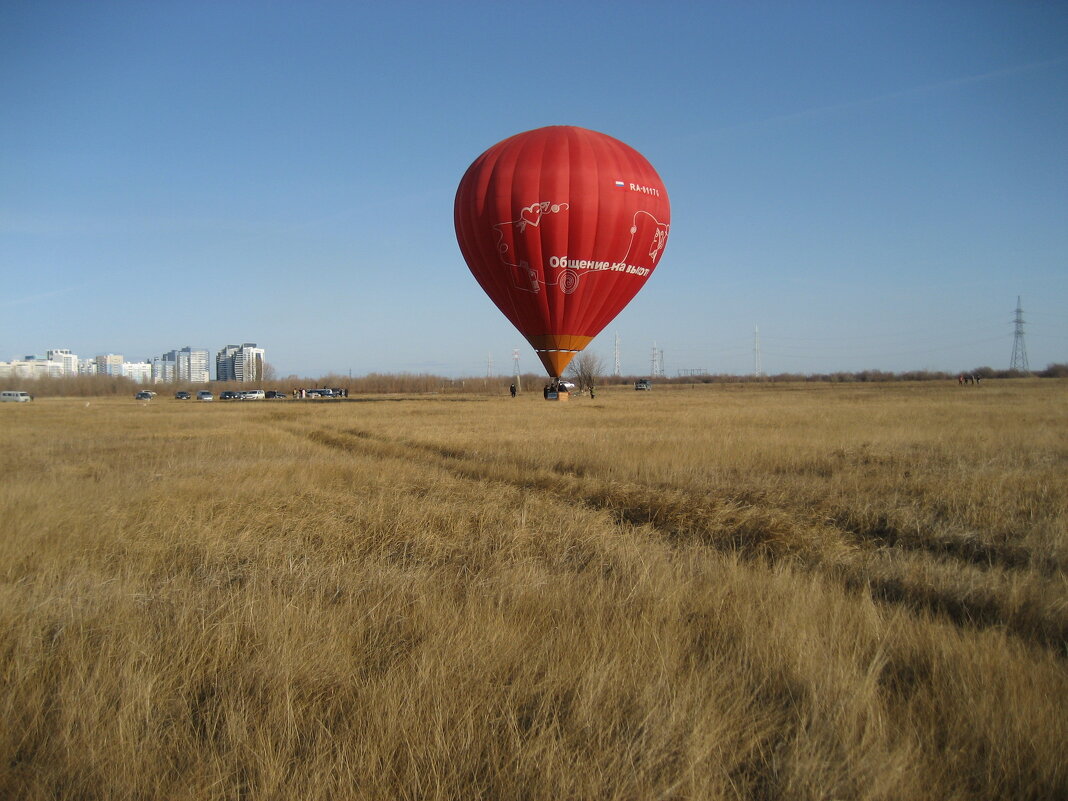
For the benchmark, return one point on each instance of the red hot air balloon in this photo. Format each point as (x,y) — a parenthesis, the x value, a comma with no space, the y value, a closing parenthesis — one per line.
(561,226)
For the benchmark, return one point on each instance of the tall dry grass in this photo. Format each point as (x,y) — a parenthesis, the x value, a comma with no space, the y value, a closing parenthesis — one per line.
(725,592)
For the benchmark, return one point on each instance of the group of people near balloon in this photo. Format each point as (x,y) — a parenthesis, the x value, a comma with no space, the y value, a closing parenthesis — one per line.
(554,388)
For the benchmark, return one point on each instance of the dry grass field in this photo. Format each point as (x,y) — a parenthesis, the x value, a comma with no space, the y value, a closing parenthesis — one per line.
(723,592)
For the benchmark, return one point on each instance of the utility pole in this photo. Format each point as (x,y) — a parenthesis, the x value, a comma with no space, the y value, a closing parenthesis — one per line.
(1019,348)
(616,353)
(757,369)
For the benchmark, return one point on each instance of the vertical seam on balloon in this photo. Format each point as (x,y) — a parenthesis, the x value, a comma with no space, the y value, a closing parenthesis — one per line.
(605,299)
(543,310)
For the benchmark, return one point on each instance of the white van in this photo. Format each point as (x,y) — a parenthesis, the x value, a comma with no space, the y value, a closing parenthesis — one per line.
(253,394)
(15,397)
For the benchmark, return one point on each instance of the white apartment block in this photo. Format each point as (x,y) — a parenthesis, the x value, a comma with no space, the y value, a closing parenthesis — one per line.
(140,372)
(190,364)
(240,363)
(248,363)
(164,370)
(109,364)
(64,357)
(31,367)
(224,363)
(185,365)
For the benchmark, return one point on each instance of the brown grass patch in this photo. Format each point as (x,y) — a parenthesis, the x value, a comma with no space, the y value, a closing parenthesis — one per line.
(724,592)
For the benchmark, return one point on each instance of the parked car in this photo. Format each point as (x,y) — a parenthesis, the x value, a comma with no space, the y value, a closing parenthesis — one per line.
(204,395)
(182,396)
(252,394)
(15,396)
(228,395)
(643,383)
(274,394)
(144,395)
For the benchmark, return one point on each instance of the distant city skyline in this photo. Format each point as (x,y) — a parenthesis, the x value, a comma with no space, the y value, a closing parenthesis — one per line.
(242,363)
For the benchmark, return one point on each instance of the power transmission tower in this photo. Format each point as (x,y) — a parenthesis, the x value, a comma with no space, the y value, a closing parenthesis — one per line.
(489,365)
(656,362)
(515,368)
(1019,349)
(616,352)
(757,369)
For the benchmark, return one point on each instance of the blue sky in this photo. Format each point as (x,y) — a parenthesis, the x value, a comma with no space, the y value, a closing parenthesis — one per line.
(872,184)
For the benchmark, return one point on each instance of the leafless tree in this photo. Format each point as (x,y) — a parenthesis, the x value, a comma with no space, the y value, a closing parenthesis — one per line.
(586,369)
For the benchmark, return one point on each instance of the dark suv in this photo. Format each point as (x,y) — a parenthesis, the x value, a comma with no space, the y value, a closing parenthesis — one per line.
(181,396)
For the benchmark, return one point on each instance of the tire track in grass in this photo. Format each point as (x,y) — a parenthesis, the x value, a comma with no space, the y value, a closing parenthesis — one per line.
(837,548)
(882,532)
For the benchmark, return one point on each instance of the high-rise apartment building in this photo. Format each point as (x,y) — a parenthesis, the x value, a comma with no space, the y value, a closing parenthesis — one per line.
(191,364)
(163,369)
(224,363)
(141,372)
(186,365)
(68,360)
(239,363)
(248,363)
(109,364)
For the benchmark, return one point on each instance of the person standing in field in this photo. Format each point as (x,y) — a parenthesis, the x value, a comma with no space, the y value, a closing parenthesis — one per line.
(512,390)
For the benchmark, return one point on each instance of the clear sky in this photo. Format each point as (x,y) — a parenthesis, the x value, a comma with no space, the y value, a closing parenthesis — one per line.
(872,184)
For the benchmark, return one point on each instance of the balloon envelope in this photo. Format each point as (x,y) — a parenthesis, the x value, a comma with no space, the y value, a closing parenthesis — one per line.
(561,226)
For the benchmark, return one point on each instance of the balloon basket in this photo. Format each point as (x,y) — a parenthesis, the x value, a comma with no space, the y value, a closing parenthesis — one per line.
(557,396)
